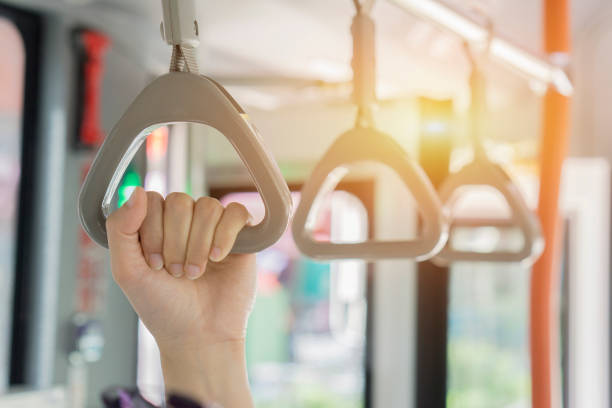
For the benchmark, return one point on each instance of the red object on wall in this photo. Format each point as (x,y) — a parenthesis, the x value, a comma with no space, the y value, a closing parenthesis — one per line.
(91,273)
(94,46)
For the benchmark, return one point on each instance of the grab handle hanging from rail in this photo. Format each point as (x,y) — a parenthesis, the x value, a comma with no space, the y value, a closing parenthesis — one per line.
(483,172)
(365,143)
(185,96)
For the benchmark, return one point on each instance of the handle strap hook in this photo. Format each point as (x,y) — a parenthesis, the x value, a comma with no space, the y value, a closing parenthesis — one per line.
(179,29)
(364,6)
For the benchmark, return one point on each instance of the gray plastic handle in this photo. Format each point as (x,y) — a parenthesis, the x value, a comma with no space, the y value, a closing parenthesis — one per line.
(185,97)
(366,144)
(483,172)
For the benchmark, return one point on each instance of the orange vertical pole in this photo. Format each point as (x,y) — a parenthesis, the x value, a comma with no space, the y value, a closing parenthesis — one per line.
(545,361)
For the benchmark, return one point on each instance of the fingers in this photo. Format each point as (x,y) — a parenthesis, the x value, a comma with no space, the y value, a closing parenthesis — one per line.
(234,218)
(122,232)
(179,235)
(126,220)
(152,231)
(206,215)
(178,211)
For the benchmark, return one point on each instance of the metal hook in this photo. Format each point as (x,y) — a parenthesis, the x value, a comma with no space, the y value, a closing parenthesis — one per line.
(490,30)
(364,6)
(179,28)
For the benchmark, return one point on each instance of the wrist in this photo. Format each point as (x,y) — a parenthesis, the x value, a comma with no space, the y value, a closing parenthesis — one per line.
(209,373)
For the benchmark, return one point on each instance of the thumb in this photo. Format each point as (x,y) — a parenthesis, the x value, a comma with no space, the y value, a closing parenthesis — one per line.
(122,228)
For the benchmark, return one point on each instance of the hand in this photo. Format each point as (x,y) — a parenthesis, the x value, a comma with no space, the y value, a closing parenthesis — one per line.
(171,259)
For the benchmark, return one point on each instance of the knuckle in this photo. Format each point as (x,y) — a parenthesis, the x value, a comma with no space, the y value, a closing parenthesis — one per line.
(209,205)
(179,201)
(150,240)
(154,197)
(237,209)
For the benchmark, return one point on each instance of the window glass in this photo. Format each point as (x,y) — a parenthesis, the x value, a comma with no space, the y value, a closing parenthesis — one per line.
(488,344)
(307,332)
(12,69)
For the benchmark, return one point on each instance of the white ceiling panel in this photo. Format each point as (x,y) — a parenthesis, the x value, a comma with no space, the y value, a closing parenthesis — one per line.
(311,39)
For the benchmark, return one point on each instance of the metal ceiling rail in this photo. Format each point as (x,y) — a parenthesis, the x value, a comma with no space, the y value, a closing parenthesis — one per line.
(547,70)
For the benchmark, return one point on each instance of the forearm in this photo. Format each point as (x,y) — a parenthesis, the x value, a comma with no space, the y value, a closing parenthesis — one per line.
(209,374)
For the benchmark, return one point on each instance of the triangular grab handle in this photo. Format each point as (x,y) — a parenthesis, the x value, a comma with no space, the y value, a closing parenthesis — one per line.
(366,144)
(483,172)
(185,97)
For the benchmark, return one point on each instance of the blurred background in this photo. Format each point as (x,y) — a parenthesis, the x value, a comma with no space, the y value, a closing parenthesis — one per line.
(322,334)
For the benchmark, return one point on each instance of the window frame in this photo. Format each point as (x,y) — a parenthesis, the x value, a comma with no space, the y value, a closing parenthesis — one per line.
(29,25)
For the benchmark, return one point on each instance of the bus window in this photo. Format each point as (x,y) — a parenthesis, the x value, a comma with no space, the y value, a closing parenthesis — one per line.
(488,339)
(306,338)
(488,315)
(12,69)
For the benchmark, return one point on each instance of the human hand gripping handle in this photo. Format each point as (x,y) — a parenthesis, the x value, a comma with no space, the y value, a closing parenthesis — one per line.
(171,257)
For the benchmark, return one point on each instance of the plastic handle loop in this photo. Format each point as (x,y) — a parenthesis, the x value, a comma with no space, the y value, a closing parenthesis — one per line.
(358,145)
(486,173)
(185,97)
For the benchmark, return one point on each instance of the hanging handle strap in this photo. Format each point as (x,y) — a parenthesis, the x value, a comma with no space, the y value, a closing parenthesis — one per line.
(182,97)
(360,145)
(363,63)
(478,91)
(478,104)
(180,29)
(483,172)
(489,174)
(185,97)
